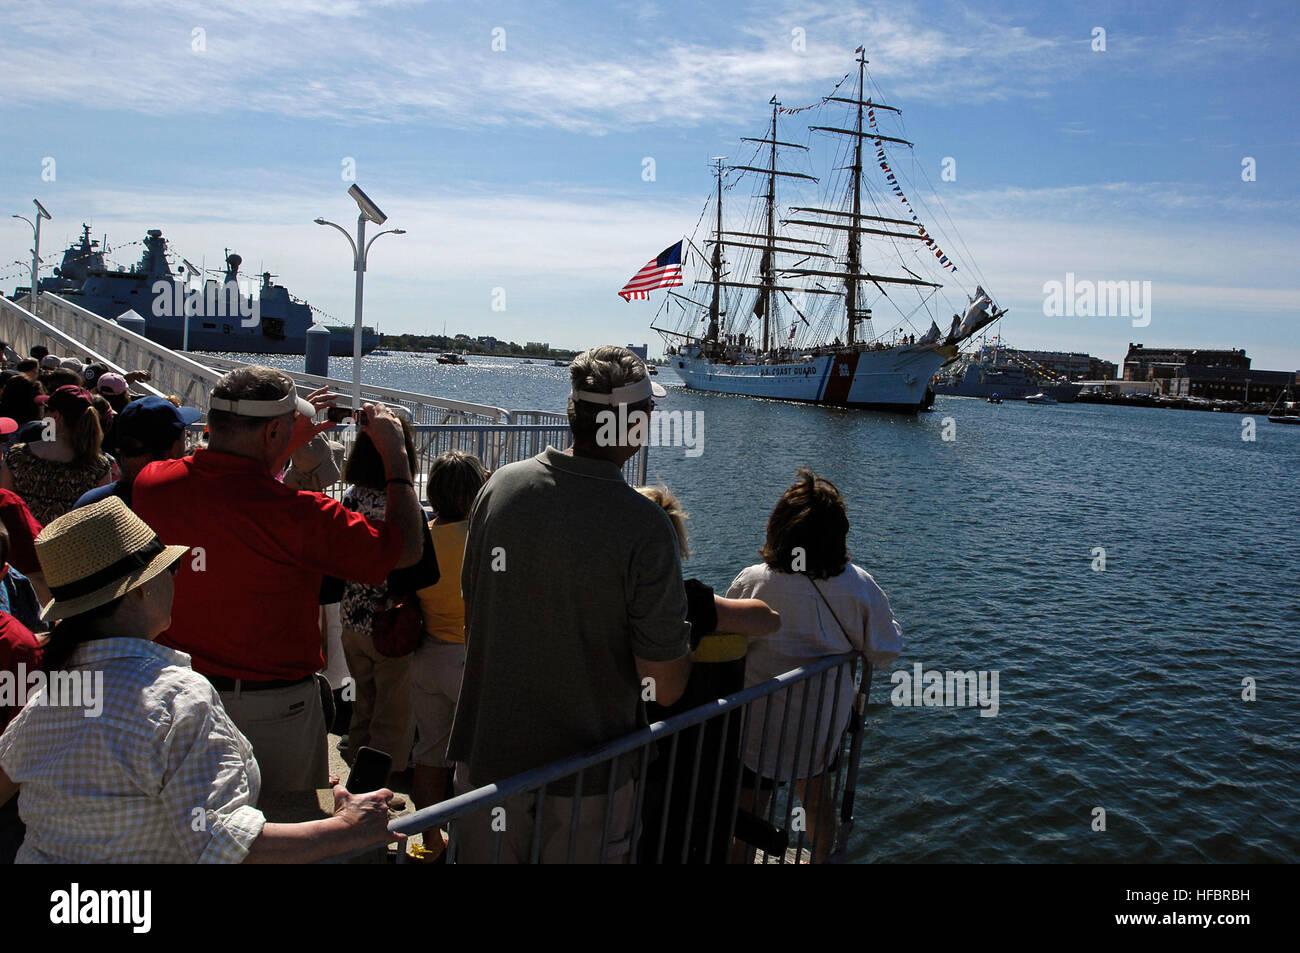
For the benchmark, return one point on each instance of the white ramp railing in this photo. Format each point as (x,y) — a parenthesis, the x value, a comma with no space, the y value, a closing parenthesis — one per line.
(175,372)
(171,373)
(22,331)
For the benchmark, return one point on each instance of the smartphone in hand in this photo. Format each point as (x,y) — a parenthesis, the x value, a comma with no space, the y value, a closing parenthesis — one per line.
(369,771)
(343,414)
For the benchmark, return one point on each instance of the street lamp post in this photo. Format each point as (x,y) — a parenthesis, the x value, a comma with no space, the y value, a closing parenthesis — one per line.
(36,246)
(360,253)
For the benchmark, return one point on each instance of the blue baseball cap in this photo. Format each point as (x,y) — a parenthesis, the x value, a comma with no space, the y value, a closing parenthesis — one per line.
(150,425)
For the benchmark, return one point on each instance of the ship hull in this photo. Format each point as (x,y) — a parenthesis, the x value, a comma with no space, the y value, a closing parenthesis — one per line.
(894,379)
(280,328)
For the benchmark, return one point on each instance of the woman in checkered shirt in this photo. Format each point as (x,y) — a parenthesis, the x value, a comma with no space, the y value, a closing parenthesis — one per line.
(126,754)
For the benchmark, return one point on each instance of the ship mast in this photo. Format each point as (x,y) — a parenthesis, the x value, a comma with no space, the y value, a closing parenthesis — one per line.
(715,306)
(855,236)
(765,263)
(853,275)
(767,286)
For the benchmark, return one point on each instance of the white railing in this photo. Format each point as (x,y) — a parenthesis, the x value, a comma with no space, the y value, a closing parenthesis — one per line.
(22,331)
(177,373)
(424,408)
(170,373)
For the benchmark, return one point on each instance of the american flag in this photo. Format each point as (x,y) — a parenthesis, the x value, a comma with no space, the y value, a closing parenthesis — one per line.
(662,272)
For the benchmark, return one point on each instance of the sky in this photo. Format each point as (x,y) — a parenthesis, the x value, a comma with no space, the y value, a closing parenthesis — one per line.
(510,141)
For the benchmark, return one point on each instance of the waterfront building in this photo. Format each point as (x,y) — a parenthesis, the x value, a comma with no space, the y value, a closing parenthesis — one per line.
(1231,383)
(1162,364)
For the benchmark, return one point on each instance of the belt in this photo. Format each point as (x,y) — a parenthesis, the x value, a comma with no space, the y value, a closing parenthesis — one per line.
(224,684)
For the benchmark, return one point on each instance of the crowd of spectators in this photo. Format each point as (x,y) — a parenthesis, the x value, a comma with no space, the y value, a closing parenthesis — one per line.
(202,586)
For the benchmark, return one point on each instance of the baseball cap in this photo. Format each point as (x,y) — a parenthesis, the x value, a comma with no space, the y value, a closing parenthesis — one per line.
(7,426)
(92,372)
(111,384)
(69,400)
(72,364)
(151,424)
(50,362)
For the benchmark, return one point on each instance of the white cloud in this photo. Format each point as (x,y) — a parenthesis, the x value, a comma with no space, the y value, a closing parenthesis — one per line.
(417,62)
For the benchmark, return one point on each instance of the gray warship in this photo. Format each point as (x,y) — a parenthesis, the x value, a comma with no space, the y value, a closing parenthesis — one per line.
(996,370)
(222,316)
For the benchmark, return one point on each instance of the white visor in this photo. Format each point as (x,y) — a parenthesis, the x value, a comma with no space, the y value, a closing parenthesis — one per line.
(635,393)
(263,408)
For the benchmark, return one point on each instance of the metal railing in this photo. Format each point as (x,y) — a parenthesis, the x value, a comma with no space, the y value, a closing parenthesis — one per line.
(724,813)
(22,331)
(424,408)
(177,373)
(170,372)
(494,445)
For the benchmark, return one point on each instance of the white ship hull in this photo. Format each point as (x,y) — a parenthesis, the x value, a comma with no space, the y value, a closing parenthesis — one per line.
(891,379)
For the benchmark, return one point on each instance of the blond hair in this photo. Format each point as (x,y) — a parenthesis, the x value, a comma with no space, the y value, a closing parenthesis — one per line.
(665,498)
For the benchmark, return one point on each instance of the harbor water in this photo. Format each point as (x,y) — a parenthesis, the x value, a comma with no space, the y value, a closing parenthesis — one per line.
(1120,689)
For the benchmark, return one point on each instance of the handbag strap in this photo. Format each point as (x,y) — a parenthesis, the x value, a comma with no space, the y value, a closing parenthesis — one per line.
(832,611)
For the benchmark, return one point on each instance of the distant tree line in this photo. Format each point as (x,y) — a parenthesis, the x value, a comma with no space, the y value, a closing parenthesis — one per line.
(485,344)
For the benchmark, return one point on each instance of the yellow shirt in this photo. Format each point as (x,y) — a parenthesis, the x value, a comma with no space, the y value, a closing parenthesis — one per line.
(443,607)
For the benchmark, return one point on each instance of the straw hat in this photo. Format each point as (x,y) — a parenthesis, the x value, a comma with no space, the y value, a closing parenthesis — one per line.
(94,554)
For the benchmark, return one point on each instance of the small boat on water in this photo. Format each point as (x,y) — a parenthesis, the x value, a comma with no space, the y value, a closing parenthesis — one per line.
(558,363)
(1040,398)
(451,357)
(1289,414)
(994,399)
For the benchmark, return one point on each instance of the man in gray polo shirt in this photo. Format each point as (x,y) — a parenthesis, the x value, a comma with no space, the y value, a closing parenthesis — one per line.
(573,596)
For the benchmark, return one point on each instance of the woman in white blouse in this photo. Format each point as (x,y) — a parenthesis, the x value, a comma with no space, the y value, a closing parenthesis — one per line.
(828,606)
(141,764)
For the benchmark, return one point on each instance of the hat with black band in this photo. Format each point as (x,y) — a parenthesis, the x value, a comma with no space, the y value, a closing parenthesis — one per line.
(97,553)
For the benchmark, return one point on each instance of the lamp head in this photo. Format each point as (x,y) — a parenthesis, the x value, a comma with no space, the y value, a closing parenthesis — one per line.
(40,210)
(368,208)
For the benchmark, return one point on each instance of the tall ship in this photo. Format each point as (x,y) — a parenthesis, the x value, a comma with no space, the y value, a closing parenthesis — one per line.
(814,302)
(995,370)
(221,315)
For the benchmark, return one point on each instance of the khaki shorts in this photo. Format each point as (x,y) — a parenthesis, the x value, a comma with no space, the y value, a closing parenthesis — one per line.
(504,834)
(286,728)
(436,670)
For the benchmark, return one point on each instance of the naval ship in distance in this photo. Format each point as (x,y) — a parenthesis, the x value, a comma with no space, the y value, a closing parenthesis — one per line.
(221,315)
(996,370)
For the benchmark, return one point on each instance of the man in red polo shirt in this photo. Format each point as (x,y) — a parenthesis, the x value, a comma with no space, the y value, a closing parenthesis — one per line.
(246,608)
